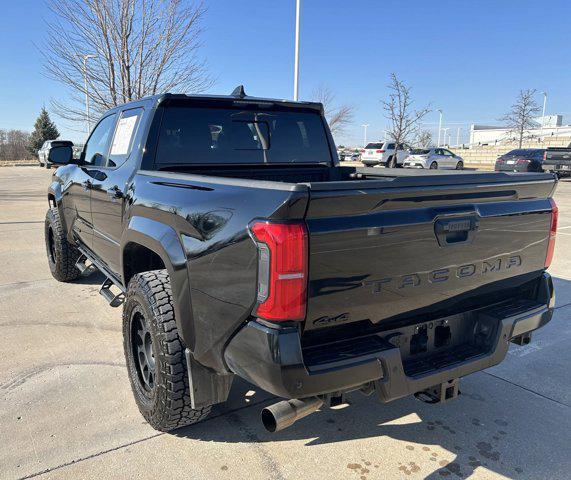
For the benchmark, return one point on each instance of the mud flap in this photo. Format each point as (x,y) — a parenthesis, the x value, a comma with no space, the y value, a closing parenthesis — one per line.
(206,387)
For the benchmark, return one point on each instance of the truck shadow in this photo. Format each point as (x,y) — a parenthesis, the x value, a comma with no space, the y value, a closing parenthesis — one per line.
(493,424)
(452,438)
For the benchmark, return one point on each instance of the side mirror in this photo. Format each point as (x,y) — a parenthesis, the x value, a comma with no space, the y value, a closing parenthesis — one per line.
(62,155)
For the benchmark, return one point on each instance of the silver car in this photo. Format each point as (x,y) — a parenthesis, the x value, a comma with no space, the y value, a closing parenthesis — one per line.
(433,158)
(44,152)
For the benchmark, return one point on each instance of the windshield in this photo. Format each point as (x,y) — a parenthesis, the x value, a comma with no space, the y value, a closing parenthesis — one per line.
(241,135)
(374,145)
(420,151)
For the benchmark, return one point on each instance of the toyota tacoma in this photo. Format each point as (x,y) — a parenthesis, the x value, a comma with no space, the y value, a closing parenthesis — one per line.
(237,245)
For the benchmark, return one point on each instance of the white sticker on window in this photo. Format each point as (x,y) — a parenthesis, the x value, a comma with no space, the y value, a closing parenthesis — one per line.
(123,135)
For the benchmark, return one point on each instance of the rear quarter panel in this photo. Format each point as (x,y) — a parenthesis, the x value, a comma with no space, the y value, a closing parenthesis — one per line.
(211,218)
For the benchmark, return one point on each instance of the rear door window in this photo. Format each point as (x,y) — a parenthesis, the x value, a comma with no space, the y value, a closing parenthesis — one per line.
(193,135)
(124,136)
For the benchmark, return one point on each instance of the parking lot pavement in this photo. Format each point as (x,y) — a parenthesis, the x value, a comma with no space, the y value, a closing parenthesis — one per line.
(66,409)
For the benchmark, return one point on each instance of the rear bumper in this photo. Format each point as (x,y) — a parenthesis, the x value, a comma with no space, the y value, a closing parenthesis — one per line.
(273,358)
(371,161)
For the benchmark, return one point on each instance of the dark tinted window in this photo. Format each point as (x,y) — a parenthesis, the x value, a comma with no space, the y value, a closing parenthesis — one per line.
(420,151)
(371,146)
(390,146)
(192,135)
(524,152)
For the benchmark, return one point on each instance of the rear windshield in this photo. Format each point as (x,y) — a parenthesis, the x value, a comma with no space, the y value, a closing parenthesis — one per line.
(525,152)
(419,151)
(374,145)
(193,135)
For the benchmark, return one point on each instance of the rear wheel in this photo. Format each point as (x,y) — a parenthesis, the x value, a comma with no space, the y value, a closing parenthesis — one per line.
(62,256)
(393,162)
(460,166)
(433,166)
(155,354)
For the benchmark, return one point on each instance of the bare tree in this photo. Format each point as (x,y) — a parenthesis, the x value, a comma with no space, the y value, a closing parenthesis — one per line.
(13,145)
(338,116)
(520,118)
(404,120)
(423,139)
(142,47)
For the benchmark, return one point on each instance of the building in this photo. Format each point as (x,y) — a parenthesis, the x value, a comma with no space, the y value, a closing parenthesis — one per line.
(494,134)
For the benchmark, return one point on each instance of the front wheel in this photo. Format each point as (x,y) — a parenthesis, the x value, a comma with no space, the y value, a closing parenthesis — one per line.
(155,354)
(460,166)
(433,166)
(62,256)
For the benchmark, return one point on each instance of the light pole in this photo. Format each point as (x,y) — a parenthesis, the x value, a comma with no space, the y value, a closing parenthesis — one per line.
(458,136)
(85,58)
(365,125)
(296,59)
(543,114)
(444,130)
(439,125)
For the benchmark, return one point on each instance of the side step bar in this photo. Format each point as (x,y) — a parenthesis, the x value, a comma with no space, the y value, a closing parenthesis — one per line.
(83,267)
(114,299)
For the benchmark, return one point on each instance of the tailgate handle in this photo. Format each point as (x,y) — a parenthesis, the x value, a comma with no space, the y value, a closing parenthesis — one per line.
(453,231)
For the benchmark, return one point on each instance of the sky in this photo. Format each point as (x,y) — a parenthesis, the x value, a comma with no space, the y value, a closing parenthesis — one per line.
(468,58)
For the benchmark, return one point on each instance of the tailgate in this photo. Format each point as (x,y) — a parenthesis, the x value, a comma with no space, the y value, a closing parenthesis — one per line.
(385,250)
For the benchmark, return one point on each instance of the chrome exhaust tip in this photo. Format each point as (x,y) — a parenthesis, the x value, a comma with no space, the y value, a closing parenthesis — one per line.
(283,414)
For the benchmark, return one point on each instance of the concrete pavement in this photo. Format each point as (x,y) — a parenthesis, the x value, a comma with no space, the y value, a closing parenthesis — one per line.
(66,409)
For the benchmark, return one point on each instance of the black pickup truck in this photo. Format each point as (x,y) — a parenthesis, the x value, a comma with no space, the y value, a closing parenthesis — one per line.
(558,161)
(238,245)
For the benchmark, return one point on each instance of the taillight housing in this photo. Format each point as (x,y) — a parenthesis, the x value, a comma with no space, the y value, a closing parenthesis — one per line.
(523,161)
(282,270)
(552,233)
(380,151)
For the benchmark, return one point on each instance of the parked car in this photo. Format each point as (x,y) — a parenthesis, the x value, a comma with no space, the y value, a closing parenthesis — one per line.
(521,160)
(558,160)
(263,258)
(384,154)
(433,158)
(349,156)
(43,153)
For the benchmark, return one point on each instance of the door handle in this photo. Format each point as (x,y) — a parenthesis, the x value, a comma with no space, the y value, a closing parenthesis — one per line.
(456,230)
(114,192)
(87,185)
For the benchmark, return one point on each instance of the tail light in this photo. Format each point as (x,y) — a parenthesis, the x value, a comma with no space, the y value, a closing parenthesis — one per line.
(380,151)
(362,150)
(500,160)
(552,233)
(282,270)
(544,156)
(523,161)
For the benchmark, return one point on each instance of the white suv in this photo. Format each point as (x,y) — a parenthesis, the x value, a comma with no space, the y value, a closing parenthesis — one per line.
(384,153)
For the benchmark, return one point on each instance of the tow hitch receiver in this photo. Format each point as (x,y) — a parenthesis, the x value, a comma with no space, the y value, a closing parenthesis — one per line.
(440,393)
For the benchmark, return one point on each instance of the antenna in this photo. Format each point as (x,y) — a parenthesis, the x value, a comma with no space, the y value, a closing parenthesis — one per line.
(239,91)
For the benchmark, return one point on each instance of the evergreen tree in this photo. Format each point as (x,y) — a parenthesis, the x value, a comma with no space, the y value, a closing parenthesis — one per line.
(44,129)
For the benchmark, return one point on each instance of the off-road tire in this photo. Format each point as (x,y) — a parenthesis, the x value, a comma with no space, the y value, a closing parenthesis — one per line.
(62,256)
(166,405)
